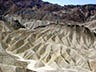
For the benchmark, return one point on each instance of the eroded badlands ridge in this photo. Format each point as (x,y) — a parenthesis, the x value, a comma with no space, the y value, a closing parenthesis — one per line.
(59,47)
(44,37)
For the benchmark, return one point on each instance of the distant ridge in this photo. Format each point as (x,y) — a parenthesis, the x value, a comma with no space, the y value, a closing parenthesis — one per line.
(37,9)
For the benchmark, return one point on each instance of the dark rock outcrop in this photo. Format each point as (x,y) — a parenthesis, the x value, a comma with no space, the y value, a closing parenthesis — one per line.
(37,9)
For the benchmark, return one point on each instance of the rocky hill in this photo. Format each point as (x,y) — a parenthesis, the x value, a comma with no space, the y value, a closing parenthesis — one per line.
(37,9)
(38,36)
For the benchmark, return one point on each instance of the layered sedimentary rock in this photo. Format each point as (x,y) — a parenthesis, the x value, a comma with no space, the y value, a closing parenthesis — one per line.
(91,25)
(44,37)
(27,23)
(55,47)
(9,63)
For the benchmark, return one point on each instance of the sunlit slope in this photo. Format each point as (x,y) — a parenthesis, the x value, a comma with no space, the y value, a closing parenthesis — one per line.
(64,47)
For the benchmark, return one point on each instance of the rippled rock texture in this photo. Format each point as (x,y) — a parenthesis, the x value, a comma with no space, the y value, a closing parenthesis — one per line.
(37,36)
(51,48)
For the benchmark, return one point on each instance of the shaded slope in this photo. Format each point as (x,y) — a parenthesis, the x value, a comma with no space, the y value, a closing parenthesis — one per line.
(37,9)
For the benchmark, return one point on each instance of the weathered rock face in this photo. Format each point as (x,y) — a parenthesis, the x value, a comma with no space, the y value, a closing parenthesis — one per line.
(60,48)
(33,23)
(9,63)
(91,25)
(42,37)
(10,6)
(37,9)
(27,23)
